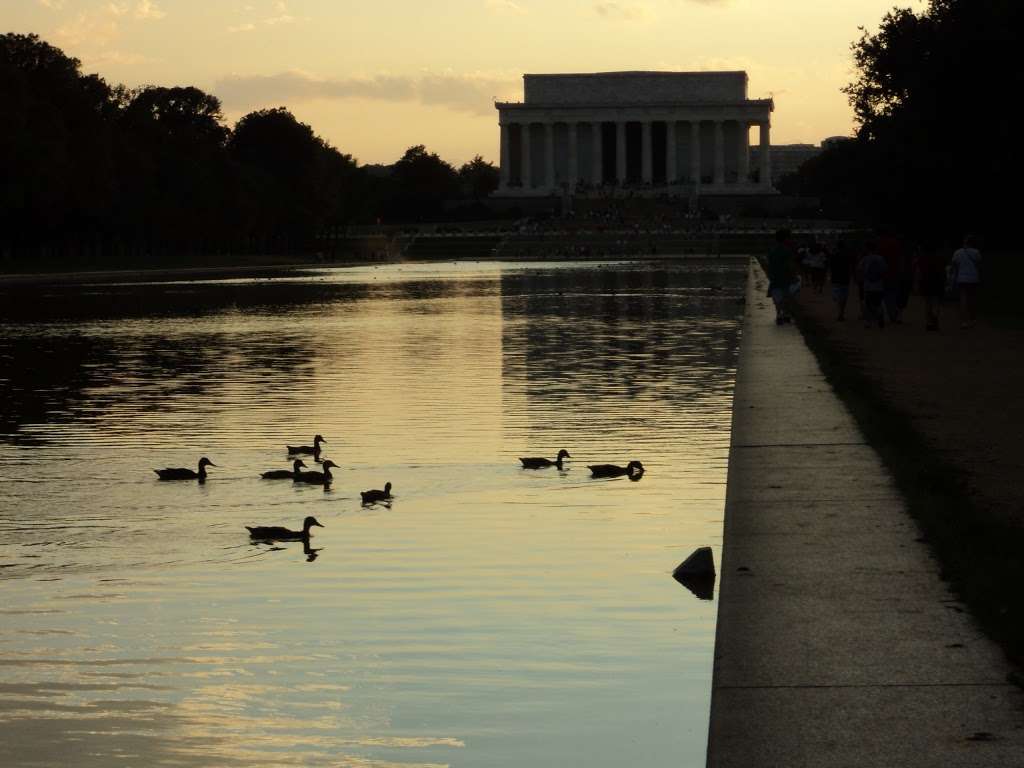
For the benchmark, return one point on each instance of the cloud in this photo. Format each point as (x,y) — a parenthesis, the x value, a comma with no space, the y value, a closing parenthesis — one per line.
(281,15)
(116,57)
(472,93)
(54,5)
(143,9)
(611,9)
(505,6)
(92,29)
(146,9)
(91,32)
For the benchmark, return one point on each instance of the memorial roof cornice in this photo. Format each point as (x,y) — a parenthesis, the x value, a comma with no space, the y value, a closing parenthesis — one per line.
(524,105)
(635,72)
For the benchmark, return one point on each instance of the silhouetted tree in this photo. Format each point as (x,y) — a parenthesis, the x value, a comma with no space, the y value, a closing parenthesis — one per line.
(54,147)
(420,183)
(301,184)
(91,171)
(935,135)
(479,178)
(173,169)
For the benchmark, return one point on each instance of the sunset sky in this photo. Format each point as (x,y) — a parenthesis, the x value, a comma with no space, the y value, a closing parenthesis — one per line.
(376,77)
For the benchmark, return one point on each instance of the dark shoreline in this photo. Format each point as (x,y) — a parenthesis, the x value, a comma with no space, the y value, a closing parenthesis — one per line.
(257,271)
(158,273)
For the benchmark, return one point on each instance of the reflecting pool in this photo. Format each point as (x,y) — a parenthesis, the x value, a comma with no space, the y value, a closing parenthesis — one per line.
(489,616)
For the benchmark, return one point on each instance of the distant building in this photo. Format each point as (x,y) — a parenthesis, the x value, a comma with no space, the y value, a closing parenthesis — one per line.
(787,158)
(832,141)
(650,131)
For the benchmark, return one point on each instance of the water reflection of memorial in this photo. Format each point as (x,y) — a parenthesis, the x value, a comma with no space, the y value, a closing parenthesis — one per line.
(626,336)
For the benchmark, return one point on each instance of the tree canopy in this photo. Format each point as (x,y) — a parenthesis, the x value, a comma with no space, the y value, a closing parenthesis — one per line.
(94,169)
(934,122)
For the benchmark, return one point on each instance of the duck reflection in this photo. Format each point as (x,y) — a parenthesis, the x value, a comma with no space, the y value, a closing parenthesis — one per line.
(310,553)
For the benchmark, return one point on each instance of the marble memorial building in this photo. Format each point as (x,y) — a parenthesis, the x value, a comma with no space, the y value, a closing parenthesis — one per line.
(659,131)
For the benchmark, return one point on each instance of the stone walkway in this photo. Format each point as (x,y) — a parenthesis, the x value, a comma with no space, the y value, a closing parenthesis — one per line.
(837,643)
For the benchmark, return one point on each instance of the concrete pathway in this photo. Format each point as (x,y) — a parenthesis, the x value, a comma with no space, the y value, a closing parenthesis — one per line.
(837,643)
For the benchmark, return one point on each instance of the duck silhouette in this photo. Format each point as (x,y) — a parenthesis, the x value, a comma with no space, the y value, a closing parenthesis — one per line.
(314,448)
(284,474)
(372,496)
(541,463)
(183,473)
(279,533)
(633,469)
(317,478)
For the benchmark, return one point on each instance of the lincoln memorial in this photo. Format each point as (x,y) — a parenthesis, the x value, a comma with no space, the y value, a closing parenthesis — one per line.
(647,131)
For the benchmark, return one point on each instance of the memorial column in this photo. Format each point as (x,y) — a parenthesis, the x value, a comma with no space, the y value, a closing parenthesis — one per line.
(549,155)
(597,150)
(719,174)
(695,168)
(743,162)
(671,172)
(526,162)
(766,160)
(506,163)
(573,160)
(620,153)
(646,161)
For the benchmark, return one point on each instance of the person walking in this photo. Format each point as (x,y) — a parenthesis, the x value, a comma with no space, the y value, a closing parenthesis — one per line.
(967,276)
(840,269)
(873,268)
(781,275)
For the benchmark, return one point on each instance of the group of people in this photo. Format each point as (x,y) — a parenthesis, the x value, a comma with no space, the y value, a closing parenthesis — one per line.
(884,271)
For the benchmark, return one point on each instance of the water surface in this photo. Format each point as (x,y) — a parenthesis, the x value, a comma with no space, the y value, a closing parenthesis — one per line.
(490,616)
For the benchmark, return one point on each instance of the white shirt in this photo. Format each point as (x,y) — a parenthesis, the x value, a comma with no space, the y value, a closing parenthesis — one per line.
(966,261)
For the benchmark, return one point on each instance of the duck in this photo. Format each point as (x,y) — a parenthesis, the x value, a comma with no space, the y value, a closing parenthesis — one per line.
(279,533)
(612,470)
(284,474)
(314,448)
(540,463)
(315,477)
(183,473)
(369,497)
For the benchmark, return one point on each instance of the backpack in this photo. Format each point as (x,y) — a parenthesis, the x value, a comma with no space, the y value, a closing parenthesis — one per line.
(875,271)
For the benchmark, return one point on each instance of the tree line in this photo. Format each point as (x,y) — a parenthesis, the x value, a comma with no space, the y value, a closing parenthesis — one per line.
(94,172)
(935,148)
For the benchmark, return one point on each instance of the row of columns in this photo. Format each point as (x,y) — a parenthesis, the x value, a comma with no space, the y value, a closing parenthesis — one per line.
(646,152)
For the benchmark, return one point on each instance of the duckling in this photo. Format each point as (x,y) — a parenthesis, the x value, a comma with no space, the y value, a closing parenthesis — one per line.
(314,448)
(370,497)
(284,474)
(317,478)
(540,463)
(182,473)
(278,533)
(612,470)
